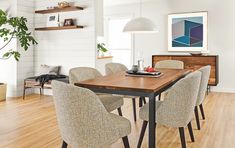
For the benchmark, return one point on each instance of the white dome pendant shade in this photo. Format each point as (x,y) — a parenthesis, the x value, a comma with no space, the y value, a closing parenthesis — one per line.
(140,25)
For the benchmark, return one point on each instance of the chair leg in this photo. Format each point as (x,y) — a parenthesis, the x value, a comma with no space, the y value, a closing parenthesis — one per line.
(126,142)
(182,137)
(191,132)
(40,91)
(202,111)
(134,108)
(64,144)
(144,100)
(119,111)
(197,118)
(24,92)
(159,97)
(140,102)
(145,123)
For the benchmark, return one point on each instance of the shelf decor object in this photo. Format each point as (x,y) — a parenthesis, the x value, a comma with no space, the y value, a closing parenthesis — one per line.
(57,9)
(140,24)
(187,32)
(52,20)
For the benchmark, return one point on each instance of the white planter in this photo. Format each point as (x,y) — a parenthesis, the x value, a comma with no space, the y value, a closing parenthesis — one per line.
(3,91)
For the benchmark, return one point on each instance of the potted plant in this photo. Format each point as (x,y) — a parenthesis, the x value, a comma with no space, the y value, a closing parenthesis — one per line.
(10,28)
(101,49)
(3,90)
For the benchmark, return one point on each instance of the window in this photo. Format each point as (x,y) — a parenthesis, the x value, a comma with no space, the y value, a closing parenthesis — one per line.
(119,43)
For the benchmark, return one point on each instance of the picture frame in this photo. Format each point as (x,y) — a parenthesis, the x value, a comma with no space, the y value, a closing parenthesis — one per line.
(68,22)
(187,32)
(52,20)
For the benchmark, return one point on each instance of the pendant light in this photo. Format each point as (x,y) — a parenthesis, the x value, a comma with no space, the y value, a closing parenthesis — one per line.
(140,24)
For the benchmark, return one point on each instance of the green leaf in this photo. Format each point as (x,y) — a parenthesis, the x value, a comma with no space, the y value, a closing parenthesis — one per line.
(18,29)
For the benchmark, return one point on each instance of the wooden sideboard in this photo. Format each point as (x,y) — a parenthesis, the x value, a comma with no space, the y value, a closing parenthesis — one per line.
(194,63)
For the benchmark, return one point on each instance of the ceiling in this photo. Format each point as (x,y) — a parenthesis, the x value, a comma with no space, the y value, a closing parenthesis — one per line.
(121,2)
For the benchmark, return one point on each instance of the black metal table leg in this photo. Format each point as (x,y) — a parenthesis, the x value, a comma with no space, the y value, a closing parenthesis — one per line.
(152,121)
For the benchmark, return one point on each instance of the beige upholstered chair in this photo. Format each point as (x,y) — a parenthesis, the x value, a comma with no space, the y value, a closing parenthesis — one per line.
(171,64)
(202,93)
(112,68)
(83,120)
(110,102)
(177,109)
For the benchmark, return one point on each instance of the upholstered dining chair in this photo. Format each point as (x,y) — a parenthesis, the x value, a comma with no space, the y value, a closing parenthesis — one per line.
(177,109)
(202,93)
(83,120)
(112,68)
(110,102)
(171,64)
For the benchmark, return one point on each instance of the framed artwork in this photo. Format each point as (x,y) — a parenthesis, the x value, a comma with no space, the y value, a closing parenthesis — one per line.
(68,22)
(52,20)
(187,32)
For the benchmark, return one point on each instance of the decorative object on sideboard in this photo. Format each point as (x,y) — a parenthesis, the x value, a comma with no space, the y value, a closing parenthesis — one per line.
(196,54)
(69,22)
(63,4)
(101,49)
(3,91)
(187,32)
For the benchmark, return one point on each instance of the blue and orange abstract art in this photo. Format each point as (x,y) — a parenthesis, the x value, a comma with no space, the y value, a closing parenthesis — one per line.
(187,32)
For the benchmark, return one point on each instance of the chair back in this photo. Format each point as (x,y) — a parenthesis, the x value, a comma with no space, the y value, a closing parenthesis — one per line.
(204,83)
(178,106)
(82,74)
(83,120)
(112,68)
(170,64)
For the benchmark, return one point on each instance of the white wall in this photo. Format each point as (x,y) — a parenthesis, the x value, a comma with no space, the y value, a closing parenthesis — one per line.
(13,72)
(221,32)
(68,48)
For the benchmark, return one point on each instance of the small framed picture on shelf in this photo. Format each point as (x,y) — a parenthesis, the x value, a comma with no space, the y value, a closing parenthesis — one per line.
(52,20)
(68,22)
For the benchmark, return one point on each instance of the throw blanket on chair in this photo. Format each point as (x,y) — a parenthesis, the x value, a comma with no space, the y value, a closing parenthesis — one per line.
(48,77)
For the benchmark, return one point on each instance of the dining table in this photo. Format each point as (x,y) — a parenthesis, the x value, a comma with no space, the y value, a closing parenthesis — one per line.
(150,87)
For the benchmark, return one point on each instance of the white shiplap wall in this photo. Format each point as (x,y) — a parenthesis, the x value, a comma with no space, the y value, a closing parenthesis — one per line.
(25,67)
(67,48)
(14,72)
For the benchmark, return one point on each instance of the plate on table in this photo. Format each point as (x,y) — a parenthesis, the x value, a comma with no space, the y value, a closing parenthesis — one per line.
(144,73)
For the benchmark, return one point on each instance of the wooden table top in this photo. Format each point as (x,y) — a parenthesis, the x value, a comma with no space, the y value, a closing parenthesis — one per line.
(120,81)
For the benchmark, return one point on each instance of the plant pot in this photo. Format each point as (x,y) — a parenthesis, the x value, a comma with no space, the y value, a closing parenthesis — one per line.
(3,91)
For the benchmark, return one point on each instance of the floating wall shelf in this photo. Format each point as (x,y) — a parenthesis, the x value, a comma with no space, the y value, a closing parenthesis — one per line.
(58,28)
(56,10)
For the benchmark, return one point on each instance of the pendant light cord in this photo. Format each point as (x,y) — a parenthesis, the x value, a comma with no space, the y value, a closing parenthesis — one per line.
(140,8)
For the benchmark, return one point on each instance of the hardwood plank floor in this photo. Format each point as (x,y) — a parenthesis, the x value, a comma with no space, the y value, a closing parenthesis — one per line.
(32,123)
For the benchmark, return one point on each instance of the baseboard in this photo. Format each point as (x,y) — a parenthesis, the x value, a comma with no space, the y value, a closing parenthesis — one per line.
(226,90)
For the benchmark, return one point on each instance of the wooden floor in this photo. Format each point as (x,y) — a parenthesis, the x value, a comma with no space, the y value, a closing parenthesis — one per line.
(32,123)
